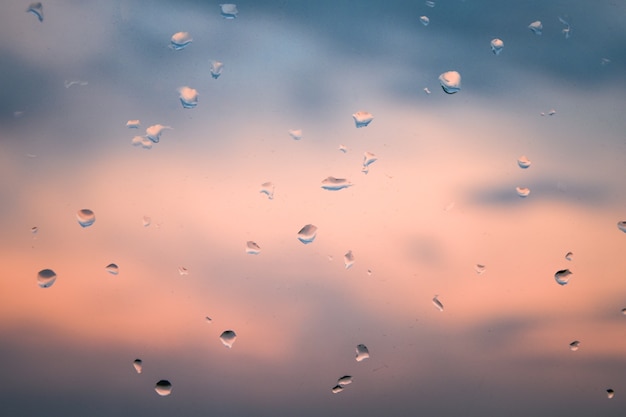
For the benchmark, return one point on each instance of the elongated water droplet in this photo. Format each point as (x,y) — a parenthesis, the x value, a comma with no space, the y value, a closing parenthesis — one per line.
(335,184)
(362,353)
(112,269)
(307,234)
(425,20)
(252,248)
(368,159)
(563,276)
(479,268)
(133,124)
(163,388)
(216,69)
(337,389)
(610,393)
(536,27)
(622,226)
(188,97)
(37,10)
(228,337)
(69,83)
(496,46)
(138,365)
(154,132)
(182,271)
(180,40)
(46,278)
(85,217)
(437,303)
(344,380)
(450,82)
(523,191)
(574,345)
(569,256)
(229,11)
(523,162)
(362,118)
(296,134)
(348,259)
(267,188)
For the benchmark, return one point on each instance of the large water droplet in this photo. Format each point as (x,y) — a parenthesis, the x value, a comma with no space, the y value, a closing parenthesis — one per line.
(362,118)
(368,159)
(522,191)
(37,10)
(536,27)
(348,259)
(267,188)
(344,380)
(335,184)
(496,46)
(138,365)
(229,11)
(180,40)
(523,162)
(112,269)
(563,276)
(610,393)
(574,345)
(296,134)
(163,388)
(85,217)
(479,268)
(307,234)
(188,97)
(362,353)
(252,248)
(450,82)
(337,389)
(228,337)
(216,69)
(154,132)
(46,277)
(437,303)
(622,226)
(569,256)
(425,20)
(133,124)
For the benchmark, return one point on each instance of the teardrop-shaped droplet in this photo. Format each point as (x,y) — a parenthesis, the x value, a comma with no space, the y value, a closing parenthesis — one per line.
(348,259)
(362,118)
(138,365)
(252,248)
(188,97)
(85,217)
(229,11)
(228,337)
(335,184)
(496,46)
(307,234)
(163,388)
(523,162)
(46,278)
(112,269)
(574,345)
(180,40)
(216,69)
(362,353)
(267,188)
(450,82)
(437,303)
(563,276)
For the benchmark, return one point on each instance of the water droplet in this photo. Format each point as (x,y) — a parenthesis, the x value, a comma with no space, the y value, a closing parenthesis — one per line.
(180,40)
(228,337)
(182,271)
(296,134)
(523,162)
(154,132)
(569,256)
(522,191)
(348,259)
(335,184)
(34,230)
(343,148)
(426,90)
(133,124)
(437,303)
(267,188)
(430,3)
(610,393)
(622,226)
(567,30)
(574,345)
(163,388)
(551,112)
(208,319)
(496,46)
(563,276)
(142,141)
(479,268)
(229,11)
(369,272)
(85,217)
(362,353)
(344,380)
(337,389)
(368,159)
(425,20)
(146,221)
(450,82)
(216,69)
(112,269)
(624,311)
(46,277)
(37,10)
(362,118)
(252,248)
(138,365)
(188,97)
(605,61)
(536,27)
(307,234)
(70,83)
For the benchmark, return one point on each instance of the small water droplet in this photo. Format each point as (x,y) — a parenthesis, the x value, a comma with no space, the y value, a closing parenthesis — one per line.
(522,191)
(337,389)
(252,248)
(70,83)
(208,319)
(46,278)
(551,112)
(563,276)
(567,30)
(450,82)
(180,40)
(296,134)
(426,90)
(624,311)
(622,226)
(37,10)
(133,124)
(216,69)
(146,221)
(369,272)
(523,162)
(343,148)
(362,118)
(228,337)
(437,303)
(605,61)
(182,271)
(229,11)
(138,365)
(348,259)
(362,353)
(610,393)
(307,234)
(479,268)
(188,97)
(536,27)
(496,46)
(344,380)
(163,388)
(430,3)
(34,230)
(112,269)
(569,256)
(368,159)
(574,345)
(154,132)
(425,20)
(335,184)
(267,188)
(85,217)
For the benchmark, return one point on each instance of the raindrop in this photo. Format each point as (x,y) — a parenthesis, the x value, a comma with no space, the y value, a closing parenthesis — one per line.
(348,259)
(362,118)
(163,388)
(523,162)
(252,248)
(563,276)
(610,393)
(343,148)
(430,3)
(337,389)
(112,269)
(188,97)
(46,277)
(522,191)
(437,303)
(138,365)
(37,10)
(228,337)
(182,271)
(267,188)
(133,124)
(574,345)
(335,184)
(426,90)
(536,27)
(146,221)
(368,159)
(85,217)
(622,226)
(154,132)
(180,40)
(496,46)
(425,20)
(216,69)
(450,82)
(296,134)
(229,11)
(479,268)
(307,234)
(362,353)
(569,256)
(142,141)
(344,380)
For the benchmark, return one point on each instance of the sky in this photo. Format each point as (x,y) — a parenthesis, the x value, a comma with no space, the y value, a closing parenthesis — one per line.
(439,200)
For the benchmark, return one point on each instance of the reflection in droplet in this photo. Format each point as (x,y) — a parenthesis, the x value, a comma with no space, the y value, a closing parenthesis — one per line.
(348,259)
(523,162)
(296,134)
(536,27)
(425,20)
(437,303)
(362,118)
(182,271)
(344,380)
(522,191)
(229,11)
(610,393)
(228,337)
(267,188)
(37,10)
(188,97)
(337,389)
(362,353)
(563,276)
(46,277)
(163,388)
(252,248)
(450,82)
(622,226)
(138,365)
(574,345)
(496,46)
(569,256)
(180,40)
(112,269)
(335,184)
(216,69)
(343,148)
(368,159)
(154,132)
(307,234)
(479,268)
(85,217)
(133,124)
(146,221)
